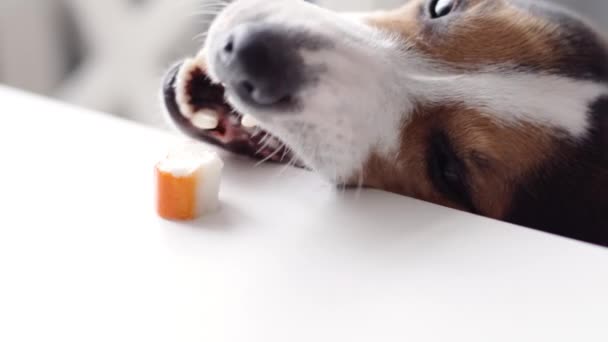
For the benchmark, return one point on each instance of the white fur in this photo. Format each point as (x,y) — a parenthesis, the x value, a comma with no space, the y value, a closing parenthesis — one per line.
(340,122)
(370,82)
(549,100)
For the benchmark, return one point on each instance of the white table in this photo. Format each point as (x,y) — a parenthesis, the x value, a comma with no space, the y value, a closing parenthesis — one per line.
(83,257)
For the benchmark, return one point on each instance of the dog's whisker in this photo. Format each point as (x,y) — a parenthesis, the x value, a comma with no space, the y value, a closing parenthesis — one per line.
(213,8)
(203,13)
(224,3)
(203,7)
(287,166)
(201,36)
(216,2)
(264,142)
(210,8)
(270,156)
(291,163)
(264,139)
(286,150)
(293,160)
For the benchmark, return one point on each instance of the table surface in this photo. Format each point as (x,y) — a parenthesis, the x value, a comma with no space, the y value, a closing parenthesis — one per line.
(83,256)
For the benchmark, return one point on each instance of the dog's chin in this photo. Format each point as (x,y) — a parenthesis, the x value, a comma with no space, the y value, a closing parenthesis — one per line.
(189,94)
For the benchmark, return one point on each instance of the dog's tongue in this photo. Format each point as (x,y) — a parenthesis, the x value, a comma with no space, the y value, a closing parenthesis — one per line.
(199,109)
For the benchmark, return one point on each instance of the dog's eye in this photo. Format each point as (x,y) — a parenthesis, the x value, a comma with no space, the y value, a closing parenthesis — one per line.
(440,8)
(447,171)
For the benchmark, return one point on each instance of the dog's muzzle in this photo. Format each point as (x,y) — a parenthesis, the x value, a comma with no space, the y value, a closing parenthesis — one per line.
(230,131)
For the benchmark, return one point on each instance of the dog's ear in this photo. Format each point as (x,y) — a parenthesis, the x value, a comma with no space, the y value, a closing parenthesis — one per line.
(567,197)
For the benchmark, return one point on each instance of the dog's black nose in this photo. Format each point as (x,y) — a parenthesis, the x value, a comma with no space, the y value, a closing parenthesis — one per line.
(261,64)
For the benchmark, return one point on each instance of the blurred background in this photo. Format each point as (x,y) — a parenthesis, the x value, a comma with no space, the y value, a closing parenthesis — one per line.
(110,55)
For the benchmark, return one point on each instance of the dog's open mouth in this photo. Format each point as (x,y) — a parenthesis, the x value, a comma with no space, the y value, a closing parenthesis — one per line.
(199,109)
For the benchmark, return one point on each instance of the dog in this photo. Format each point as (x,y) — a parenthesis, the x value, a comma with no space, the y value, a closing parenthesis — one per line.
(495,107)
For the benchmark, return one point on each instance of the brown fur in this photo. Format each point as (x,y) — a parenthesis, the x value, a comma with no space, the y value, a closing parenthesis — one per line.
(498,157)
(522,173)
(483,33)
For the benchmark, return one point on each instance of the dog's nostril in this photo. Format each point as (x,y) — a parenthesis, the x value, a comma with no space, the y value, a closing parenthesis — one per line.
(247,87)
(285,99)
(229,47)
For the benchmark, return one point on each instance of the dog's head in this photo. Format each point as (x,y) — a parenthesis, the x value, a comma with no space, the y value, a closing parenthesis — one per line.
(490,106)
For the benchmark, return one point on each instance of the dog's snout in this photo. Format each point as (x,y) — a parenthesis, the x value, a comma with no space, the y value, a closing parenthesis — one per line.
(260,63)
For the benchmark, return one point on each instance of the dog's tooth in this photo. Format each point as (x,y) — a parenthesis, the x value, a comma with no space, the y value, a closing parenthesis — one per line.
(249,121)
(205,119)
